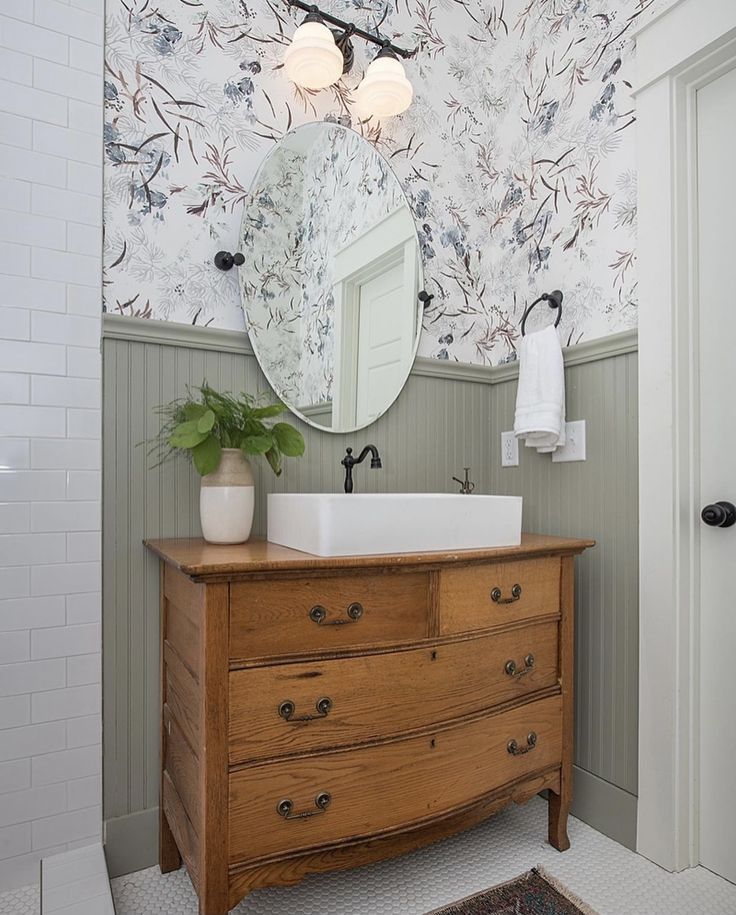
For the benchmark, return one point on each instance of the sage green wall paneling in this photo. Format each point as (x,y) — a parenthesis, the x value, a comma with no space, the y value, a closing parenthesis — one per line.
(437,426)
(594,498)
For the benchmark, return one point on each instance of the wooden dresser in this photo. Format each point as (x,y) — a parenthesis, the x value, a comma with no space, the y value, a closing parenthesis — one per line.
(324,713)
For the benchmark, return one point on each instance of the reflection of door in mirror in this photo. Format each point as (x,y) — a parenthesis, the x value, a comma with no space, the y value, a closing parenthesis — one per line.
(331,277)
(376,281)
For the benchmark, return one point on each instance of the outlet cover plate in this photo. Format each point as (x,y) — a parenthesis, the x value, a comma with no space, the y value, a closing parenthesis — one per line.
(574,448)
(509,450)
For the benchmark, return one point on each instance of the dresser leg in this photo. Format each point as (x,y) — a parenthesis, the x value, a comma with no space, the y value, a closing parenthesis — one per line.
(169,858)
(559,804)
(205,909)
(559,808)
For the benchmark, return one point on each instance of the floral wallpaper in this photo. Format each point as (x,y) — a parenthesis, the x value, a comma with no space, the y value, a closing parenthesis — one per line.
(517,155)
(317,191)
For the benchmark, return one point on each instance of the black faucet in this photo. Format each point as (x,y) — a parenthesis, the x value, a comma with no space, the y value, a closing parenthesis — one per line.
(348,462)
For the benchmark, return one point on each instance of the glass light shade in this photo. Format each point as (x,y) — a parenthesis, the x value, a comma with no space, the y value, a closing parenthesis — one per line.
(384,91)
(313,60)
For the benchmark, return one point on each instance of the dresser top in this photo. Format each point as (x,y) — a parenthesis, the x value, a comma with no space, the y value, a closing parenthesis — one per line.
(200,559)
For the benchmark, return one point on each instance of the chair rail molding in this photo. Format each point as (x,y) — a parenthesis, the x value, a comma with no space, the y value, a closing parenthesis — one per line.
(686,47)
(188,336)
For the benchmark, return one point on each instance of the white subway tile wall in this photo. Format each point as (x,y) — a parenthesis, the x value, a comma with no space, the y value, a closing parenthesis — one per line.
(50,379)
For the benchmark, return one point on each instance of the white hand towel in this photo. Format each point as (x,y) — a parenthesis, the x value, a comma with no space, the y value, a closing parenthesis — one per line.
(540,397)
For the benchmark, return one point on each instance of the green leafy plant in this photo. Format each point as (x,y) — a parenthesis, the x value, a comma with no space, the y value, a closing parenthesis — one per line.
(206,421)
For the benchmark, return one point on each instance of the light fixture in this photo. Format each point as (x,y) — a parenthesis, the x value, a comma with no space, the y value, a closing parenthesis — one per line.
(313,60)
(317,57)
(384,90)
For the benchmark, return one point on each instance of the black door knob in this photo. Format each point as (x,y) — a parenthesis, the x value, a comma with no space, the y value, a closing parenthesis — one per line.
(720,514)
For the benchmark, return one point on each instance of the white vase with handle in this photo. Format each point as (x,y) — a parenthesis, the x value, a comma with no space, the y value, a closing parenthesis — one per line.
(227,499)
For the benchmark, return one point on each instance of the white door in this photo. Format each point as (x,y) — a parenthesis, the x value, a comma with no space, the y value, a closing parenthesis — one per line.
(386,339)
(716,149)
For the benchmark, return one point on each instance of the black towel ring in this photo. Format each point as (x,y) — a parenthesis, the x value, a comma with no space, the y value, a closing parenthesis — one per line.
(553,299)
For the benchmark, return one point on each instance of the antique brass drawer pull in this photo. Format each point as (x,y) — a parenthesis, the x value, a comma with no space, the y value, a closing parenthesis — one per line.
(318,615)
(512,670)
(515,750)
(287,709)
(497,595)
(321,802)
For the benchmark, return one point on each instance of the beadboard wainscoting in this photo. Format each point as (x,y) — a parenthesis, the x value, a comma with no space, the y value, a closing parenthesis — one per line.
(448,417)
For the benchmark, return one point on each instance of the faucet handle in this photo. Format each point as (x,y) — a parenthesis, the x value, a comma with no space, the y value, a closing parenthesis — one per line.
(466,486)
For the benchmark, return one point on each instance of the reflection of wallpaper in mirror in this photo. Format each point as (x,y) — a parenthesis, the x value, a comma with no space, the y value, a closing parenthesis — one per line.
(275,215)
(308,203)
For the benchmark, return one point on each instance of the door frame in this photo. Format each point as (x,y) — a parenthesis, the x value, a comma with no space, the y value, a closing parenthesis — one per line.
(686,46)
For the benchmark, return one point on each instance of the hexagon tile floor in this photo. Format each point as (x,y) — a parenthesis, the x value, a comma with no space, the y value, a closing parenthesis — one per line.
(611,879)
(23,901)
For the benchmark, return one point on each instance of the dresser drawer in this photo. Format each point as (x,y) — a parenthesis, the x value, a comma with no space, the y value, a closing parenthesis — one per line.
(478,597)
(295,708)
(364,791)
(296,616)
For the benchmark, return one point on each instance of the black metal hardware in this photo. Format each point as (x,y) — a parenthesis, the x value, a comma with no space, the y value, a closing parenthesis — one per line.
(224,260)
(515,750)
(425,298)
(497,595)
(512,670)
(287,709)
(348,462)
(318,615)
(348,29)
(321,802)
(720,514)
(345,46)
(553,299)
(466,487)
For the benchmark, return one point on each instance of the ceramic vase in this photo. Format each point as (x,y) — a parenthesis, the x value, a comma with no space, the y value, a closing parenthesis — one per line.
(227,500)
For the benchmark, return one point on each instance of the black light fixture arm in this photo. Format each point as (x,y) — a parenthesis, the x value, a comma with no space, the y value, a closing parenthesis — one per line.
(350,29)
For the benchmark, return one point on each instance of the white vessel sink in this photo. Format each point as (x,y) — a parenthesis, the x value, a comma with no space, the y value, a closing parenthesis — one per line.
(328,524)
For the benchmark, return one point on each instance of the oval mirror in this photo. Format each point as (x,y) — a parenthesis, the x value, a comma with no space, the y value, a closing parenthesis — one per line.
(331,277)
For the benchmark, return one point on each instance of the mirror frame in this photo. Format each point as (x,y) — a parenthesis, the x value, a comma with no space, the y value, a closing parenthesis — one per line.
(420,305)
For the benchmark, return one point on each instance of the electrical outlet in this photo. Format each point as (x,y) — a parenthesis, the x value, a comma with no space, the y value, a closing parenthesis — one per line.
(509,450)
(574,448)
